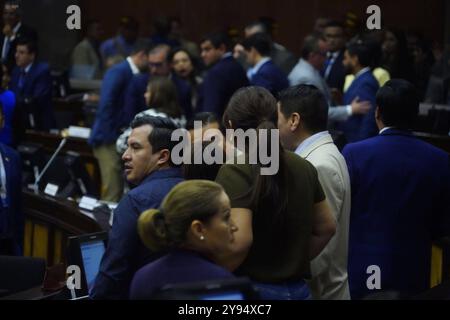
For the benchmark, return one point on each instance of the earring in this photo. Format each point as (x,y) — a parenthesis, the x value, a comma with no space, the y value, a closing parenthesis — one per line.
(202,237)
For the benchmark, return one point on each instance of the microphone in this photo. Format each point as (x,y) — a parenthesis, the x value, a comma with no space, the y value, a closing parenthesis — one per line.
(39,177)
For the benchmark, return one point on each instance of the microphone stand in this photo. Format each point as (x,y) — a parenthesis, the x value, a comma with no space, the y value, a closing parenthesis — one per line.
(38,179)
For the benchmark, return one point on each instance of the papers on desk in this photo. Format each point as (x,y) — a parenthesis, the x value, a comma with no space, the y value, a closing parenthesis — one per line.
(79,132)
(88,203)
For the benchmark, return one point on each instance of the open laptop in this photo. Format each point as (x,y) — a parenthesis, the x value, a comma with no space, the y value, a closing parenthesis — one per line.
(86,251)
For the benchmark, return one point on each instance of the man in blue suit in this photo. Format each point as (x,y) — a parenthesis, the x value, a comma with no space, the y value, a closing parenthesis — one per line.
(224,77)
(159,65)
(149,168)
(400,190)
(334,71)
(12,219)
(31,82)
(110,119)
(263,71)
(357,59)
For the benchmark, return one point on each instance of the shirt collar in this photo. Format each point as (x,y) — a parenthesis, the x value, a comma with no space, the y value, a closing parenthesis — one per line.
(332,55)
(163,174)
(17,27)
(252,71)
(309,141)
(227,55)
(28,67)
(362,71)
(134,68)
(385,129)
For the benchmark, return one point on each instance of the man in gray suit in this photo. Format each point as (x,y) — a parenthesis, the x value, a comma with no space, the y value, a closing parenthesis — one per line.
(302,121)
(307,71)
(86,59)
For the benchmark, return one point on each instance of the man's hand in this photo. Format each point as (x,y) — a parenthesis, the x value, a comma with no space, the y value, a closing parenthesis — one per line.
(7,30)
(360,107)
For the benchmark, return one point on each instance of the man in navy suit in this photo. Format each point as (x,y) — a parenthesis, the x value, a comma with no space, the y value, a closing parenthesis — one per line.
(31,82)
(12,219)
(224,77)
(334,71)
(357,59)
(110,119)
(263,71)
(158,66)
(400,190)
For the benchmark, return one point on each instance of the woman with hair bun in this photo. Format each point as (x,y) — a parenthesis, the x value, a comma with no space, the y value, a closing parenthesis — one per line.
(194,226)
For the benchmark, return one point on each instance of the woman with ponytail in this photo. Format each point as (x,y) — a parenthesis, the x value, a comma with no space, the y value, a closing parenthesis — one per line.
(283,219)
(194,226)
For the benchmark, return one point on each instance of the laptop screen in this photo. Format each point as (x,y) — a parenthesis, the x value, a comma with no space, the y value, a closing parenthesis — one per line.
(92,253)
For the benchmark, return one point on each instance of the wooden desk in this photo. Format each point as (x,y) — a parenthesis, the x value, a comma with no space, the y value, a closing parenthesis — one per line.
(49,223)
(51,141)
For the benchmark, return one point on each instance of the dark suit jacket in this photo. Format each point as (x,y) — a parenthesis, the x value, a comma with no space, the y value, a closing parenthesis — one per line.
(400,201)
(269,76)
(126,253)
(219,84)
(24,31)
(12,219)
(109,118)
(336,77)
(36,95)
(360,127)
(135,100)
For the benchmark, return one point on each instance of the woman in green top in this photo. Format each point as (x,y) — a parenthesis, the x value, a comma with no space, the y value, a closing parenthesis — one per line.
(283,219)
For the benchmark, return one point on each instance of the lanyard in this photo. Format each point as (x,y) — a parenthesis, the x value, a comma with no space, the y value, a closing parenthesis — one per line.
(3,191)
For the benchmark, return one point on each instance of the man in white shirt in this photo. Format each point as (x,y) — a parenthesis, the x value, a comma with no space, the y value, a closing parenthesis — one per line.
(302,121)
(307,71)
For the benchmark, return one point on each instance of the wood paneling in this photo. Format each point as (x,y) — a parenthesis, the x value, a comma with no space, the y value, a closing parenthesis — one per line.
(295,18)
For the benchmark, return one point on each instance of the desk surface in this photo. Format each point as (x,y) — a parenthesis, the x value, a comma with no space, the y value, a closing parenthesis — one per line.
(32,294)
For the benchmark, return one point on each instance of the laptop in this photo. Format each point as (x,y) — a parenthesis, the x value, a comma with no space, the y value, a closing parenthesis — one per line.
(86,252)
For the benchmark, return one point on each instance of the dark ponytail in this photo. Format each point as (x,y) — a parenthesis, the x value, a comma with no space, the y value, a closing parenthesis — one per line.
(256,108)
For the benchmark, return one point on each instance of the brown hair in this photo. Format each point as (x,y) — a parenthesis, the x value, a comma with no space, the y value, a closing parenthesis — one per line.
(188,201)
(164,96)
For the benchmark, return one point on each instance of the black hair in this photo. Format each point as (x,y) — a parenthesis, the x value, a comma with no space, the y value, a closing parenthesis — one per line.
(310,45)
(256,108)
(309,103)
(260,41)
(161,136)
(335,24)
(205,117)
(141,46)
(29,43)
(217,39)
(398,103)
(162,25)
(362,51)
